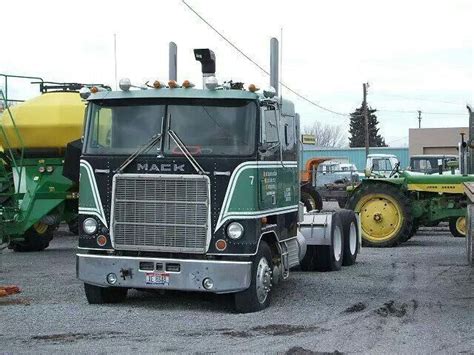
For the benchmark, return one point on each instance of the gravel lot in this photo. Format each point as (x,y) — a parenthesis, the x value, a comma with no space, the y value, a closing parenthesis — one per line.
(417,298)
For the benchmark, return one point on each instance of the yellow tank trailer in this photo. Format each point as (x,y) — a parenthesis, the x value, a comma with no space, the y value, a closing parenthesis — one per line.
(51,120)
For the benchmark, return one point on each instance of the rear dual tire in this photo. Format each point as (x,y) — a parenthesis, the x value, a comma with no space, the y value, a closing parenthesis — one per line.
(351,237)
(326,257)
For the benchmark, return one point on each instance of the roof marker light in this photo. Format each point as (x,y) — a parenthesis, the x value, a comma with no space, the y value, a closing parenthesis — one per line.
(125,84)
(253,88)
(172,84)
(187,84)
(158,84)
(84,92)
(269,92)
(211,82)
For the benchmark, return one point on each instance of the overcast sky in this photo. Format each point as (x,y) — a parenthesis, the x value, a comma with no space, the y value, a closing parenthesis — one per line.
(416,55)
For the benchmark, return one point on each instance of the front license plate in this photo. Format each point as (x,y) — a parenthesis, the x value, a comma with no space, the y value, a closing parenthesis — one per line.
(157,278)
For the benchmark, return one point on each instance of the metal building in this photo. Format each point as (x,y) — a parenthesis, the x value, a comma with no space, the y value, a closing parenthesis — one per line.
(355,155)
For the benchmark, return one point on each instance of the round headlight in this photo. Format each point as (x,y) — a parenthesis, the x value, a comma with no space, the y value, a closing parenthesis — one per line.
(235,230)
(89,225)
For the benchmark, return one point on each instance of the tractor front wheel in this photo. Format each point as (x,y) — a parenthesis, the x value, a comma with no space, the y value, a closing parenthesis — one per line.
(385,214)
(457,226)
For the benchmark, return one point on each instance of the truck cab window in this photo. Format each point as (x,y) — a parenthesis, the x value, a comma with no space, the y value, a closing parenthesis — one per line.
(270,127)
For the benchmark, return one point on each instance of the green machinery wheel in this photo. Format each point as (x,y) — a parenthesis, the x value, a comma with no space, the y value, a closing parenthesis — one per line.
(36,238)
(457,226)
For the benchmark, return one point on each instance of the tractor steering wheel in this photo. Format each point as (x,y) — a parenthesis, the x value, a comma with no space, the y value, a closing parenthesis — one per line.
(395,170)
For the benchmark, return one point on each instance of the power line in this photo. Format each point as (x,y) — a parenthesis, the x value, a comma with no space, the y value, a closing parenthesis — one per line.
(258,65)
(424,112)
(419,99)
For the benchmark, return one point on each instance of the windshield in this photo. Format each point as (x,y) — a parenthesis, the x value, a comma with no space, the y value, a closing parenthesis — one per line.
(205,126)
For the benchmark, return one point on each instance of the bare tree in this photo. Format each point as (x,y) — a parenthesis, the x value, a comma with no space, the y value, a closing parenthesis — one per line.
(327,135)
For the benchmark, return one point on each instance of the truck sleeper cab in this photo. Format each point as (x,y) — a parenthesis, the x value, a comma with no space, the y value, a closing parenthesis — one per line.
(211,205)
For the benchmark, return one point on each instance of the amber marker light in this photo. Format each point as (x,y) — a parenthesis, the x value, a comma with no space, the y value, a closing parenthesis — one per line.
(158,84)
(187,84)
(253,88)
(94,89)
(221,245)
(101,240)
(173,84)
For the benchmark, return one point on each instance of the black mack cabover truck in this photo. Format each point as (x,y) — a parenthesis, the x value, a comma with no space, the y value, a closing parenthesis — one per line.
(197,190)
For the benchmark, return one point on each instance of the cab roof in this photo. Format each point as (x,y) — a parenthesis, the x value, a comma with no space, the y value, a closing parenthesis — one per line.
(181,93)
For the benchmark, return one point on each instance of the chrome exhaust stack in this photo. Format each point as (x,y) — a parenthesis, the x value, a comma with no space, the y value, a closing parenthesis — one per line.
(274,64)
(173,62)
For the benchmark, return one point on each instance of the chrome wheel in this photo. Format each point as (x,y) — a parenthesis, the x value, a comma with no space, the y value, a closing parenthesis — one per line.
(263,281)
(337,243)
(353,238)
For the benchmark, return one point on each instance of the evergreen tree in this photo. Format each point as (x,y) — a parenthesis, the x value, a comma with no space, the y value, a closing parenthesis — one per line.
(357,129)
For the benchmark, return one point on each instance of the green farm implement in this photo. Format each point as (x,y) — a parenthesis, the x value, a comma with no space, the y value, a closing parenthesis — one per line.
(34,195)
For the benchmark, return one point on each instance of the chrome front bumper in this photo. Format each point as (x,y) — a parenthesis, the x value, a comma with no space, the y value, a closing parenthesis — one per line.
(227,276)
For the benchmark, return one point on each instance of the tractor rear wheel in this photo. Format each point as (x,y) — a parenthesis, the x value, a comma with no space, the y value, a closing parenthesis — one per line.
(37,238)
(385,214)
(457,226)
(311,199)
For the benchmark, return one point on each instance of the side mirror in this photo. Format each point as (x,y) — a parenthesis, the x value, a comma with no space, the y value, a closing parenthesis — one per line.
(263,147)
(367,172)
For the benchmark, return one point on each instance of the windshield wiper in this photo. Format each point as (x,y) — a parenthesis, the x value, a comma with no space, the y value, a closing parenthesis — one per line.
(145,147)
(179,143)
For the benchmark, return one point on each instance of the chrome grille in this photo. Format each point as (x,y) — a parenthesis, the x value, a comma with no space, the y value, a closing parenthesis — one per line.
(161,212)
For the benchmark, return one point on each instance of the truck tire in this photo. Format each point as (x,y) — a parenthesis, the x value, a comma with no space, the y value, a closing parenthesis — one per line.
(457,226)
(329,257)
(385,214)
(351,237)
(308,262)
(37,238)
(257,296)
(101,295)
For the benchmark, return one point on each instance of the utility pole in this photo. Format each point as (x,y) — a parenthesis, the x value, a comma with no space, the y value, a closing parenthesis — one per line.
(419,119)
(366,119)
(115,60)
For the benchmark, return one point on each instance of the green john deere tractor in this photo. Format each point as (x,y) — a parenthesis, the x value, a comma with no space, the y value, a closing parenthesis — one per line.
(392,209)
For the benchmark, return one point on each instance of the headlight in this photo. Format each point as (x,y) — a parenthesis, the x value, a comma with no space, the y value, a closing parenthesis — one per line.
(89,225)
(235,230)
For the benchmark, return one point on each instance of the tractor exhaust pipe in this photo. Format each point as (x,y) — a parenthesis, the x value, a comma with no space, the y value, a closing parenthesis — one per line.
(274,80)
(173,62)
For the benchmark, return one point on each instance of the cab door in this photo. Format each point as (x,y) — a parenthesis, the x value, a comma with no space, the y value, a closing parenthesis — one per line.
(269,157)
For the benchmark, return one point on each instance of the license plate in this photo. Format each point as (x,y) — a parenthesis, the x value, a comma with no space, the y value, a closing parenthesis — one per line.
(157,278)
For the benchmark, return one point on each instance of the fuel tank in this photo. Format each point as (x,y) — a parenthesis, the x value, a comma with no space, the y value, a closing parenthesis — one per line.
(47,121)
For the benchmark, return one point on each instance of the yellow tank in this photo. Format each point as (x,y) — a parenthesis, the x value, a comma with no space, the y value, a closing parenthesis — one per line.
(48,121)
